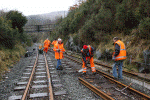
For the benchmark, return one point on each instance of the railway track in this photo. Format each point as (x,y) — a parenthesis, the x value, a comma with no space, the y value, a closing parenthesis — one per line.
(48,87)
(39,81)
(107,87)
(126,73)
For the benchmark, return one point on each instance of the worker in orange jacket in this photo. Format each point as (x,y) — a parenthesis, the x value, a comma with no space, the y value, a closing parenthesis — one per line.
(119,56)
(46,45)
(54,42)
(87,54)
(59,49)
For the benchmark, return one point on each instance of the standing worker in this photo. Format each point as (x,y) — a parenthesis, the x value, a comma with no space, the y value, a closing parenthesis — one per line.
(59,49)
(54,42)
(119,56)
(46,45)
(87,54)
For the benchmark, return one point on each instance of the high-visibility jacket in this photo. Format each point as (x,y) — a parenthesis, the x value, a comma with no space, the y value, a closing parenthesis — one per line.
(54,42)
(87,54)
(47,43)
(59,55)
(90,51)
(122,53)
(40,46)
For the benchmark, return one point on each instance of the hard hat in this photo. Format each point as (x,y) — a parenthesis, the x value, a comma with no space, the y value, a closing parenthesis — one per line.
(85,47)
(59,39)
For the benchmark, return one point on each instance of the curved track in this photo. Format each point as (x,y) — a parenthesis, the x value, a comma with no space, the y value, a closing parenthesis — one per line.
(41,81)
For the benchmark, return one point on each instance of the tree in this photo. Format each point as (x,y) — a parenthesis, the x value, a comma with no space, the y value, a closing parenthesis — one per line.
(17,20)
(8,35)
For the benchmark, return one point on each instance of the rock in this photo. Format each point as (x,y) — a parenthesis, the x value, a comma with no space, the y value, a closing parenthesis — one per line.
(98,54)
(71,46)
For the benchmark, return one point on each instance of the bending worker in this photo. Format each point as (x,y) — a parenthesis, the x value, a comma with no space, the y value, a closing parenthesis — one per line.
(88,53)
(59,49)
(46,45)
(119,56)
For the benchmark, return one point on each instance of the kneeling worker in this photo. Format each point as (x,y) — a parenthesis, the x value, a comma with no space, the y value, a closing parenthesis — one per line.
(59,49)
(88,53)
(40,49)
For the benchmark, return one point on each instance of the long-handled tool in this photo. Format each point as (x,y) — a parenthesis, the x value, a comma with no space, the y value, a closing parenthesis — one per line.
(124,89)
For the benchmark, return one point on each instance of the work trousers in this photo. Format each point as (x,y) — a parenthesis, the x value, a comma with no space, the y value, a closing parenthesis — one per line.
(119,64)
(58,63)
(91,63)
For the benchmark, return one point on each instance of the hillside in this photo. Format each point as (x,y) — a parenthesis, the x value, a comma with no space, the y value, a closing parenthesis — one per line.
(96,22)
(45,18)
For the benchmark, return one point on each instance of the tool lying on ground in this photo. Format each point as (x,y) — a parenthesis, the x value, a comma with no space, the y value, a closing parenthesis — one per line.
(124,89)
(80,70)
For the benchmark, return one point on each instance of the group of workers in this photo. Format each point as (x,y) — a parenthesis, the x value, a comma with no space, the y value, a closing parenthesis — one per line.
(58,49)
(87,51)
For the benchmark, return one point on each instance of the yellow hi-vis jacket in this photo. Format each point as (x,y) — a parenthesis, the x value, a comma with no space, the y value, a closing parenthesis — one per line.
(122,54)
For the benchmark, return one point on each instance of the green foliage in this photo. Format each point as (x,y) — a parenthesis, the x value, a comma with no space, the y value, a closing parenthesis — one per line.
(11,29)
(8,35)
(17,20)
(144,28)
(104,20)
(94,20)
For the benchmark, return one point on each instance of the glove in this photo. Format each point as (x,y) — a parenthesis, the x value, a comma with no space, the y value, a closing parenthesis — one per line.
(113,58)
(58,50)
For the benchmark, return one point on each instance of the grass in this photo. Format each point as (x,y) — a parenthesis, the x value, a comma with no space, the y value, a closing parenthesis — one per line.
(134,46)
(9,57)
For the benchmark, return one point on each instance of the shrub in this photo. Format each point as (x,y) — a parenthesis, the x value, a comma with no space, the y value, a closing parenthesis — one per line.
(144,28)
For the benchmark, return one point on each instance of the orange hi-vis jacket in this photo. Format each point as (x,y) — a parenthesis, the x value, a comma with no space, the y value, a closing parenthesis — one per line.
(122,54)
(90,59)
(46,43)
(40,46)
(54,42)
(90,49)
(59,55)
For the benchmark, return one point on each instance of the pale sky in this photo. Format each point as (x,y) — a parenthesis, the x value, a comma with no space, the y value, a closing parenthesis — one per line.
(32,7)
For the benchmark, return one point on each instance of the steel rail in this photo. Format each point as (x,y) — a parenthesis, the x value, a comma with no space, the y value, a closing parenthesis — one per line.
(126,72)
(117,82)
(51,97)
(146,97)
(95,90)
(29,82)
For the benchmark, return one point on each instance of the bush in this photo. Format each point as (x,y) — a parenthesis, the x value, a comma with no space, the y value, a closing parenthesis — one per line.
(144,28)
(8,35)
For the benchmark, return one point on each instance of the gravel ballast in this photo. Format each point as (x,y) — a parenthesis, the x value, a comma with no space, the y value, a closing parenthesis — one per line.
(68,77)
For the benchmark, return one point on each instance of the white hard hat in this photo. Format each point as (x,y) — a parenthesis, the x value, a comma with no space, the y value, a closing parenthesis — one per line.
(59,39)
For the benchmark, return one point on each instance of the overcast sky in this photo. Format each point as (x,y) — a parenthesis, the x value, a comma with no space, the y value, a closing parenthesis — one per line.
(32,7)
